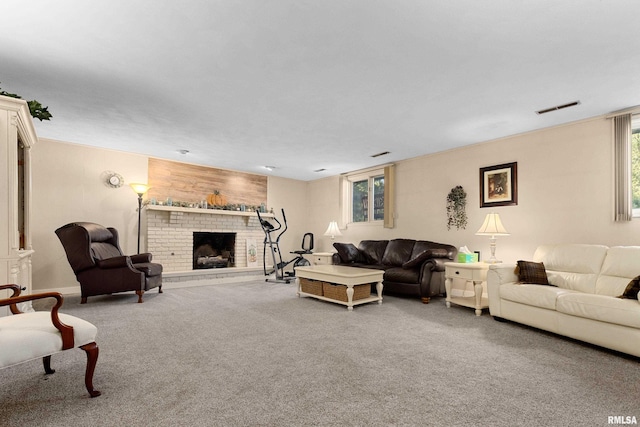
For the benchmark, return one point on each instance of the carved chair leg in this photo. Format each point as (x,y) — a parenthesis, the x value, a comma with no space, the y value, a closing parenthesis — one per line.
(160,289)
(140,293)
(92,358)
(46,361)
(83,300)
(425,300)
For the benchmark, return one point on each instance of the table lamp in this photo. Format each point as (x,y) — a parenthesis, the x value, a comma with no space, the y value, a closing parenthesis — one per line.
(493,227)
(333,230)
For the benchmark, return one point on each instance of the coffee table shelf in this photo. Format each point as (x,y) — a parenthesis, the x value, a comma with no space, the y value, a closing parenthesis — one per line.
(342,275)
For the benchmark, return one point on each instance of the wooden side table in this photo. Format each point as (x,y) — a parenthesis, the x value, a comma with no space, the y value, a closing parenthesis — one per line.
(319,258)
(475,272)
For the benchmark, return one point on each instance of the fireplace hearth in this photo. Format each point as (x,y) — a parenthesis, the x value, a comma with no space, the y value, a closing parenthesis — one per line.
(213,250)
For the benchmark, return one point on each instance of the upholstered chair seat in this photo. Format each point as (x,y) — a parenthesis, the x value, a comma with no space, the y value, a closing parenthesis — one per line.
(40,334)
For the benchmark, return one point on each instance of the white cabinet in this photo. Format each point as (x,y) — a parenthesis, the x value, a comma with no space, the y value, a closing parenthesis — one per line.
(17,136)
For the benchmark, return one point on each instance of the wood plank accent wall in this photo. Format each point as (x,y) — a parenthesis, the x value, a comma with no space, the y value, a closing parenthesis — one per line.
(191,183)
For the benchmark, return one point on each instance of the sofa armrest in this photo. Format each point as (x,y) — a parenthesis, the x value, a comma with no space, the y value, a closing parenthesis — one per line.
(498,275)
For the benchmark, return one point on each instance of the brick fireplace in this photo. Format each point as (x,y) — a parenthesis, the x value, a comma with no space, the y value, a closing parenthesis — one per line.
(170,235)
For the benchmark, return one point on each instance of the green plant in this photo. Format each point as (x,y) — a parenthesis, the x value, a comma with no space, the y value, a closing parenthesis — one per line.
(456,205)
(35,108)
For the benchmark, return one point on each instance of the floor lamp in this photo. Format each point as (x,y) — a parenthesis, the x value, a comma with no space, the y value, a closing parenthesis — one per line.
(139,189)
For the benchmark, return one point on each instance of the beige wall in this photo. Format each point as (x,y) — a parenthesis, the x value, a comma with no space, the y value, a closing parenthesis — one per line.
(69,185)
(565,183)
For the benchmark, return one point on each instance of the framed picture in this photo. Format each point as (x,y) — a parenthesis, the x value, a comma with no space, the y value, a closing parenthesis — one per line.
(499,185)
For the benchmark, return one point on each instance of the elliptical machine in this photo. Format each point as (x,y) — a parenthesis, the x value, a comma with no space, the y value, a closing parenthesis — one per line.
(274,247)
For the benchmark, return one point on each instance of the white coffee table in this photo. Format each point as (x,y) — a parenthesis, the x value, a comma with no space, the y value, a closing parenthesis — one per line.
(342,275)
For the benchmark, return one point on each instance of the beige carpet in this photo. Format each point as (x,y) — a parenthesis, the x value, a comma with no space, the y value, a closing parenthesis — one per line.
(254,354)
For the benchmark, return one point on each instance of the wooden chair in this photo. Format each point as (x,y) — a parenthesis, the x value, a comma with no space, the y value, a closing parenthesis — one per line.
(28,336)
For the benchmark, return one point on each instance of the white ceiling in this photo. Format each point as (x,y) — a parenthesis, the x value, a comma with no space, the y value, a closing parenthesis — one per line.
(304,85)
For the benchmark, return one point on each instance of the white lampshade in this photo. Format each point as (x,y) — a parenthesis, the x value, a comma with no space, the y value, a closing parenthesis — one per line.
(333,230)
(492,226)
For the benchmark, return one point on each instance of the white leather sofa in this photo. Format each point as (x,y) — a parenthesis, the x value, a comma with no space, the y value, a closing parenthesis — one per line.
(583,304)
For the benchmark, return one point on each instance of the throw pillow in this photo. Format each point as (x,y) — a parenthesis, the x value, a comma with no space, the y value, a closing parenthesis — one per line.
(348,252)
(425,255)
(632,289)
(532,273)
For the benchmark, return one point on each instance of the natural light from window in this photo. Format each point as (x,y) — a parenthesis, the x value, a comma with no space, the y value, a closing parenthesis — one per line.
(635,164)
(367,198)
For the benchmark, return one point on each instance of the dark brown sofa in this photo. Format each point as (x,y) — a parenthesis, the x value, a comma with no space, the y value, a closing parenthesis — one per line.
(100,266)
(411,267)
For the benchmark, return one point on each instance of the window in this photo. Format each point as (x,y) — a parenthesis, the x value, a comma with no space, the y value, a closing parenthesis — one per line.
(367,198)
(635,164)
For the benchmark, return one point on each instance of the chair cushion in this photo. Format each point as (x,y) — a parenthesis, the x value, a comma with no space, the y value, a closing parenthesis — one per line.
(149,268)
(28,336)
(102,251)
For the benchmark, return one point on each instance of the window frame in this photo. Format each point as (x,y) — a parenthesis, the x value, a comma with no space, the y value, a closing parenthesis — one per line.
(369,176)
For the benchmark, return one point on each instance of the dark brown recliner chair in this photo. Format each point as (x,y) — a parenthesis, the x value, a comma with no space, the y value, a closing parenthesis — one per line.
(97,260)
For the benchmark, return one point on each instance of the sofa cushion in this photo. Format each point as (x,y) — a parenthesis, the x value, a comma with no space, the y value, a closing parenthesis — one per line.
(373,250)
(534,295)
(602,308)
(401,275)
(398,251)
(531,272)
(572,266)
(620,266)
(417,260)
(632,289)
(348,252)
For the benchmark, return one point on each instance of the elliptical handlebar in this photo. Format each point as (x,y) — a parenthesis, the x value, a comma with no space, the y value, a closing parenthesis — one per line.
(284,219)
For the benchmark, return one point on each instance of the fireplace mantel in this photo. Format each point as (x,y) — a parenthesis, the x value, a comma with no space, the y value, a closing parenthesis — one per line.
(205,211)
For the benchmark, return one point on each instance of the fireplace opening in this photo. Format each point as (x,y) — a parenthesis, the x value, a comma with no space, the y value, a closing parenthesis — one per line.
(213,250)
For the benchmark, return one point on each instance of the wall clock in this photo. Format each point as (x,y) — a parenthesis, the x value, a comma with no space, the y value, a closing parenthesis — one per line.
(115,180)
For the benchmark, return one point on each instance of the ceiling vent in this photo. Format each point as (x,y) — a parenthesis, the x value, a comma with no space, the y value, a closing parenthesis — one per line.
(558,107)
(320,170)
(384,153)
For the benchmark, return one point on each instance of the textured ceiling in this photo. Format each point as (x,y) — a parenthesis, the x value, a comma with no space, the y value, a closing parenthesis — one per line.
(305,85)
